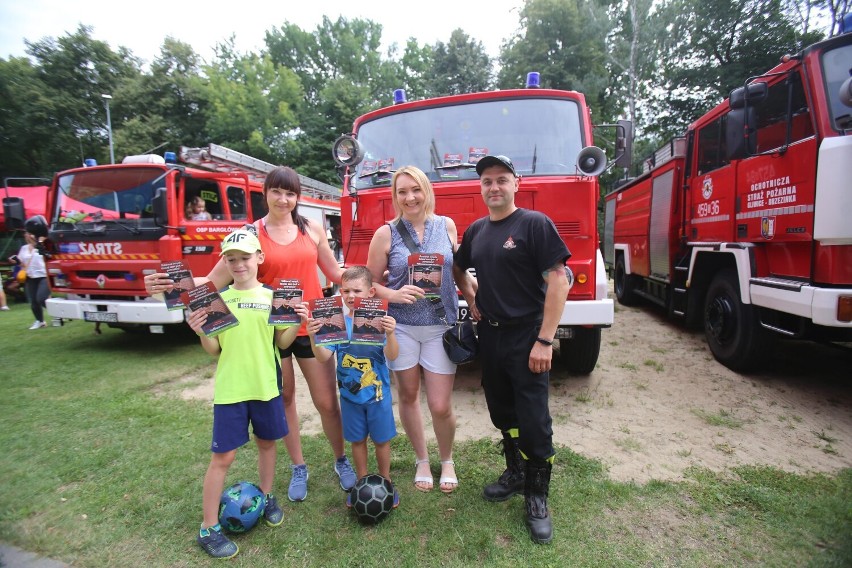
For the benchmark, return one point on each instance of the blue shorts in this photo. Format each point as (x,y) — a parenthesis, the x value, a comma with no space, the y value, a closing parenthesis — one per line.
(374,419)
(231,422)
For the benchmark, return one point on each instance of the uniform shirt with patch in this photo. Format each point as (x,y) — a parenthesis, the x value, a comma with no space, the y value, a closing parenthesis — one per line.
(510,256)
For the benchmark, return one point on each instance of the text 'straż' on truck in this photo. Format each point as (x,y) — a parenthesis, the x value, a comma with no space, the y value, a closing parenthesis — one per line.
(743,225)
(548,135)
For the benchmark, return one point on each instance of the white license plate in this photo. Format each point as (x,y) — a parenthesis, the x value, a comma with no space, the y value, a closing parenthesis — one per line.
(101,316)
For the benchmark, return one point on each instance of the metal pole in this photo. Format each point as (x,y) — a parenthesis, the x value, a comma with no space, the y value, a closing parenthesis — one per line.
(109,128)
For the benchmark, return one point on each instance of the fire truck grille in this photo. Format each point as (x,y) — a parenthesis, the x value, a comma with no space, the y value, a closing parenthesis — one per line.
(117,274)
(363,235)
(571,228)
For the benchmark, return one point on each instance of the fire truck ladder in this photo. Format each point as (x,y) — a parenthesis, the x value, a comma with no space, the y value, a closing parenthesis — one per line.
(221,159)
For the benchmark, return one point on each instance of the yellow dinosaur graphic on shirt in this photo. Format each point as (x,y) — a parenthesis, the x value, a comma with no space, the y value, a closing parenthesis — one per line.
(368,376)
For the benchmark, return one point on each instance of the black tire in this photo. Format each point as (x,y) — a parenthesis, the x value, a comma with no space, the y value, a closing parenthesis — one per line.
(579,354)
(732,329)
(625,284)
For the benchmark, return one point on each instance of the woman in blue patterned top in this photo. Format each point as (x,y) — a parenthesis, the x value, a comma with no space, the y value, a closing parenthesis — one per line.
(420,322)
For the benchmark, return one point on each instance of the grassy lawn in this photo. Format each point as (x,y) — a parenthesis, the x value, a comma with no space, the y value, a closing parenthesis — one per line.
(102,466)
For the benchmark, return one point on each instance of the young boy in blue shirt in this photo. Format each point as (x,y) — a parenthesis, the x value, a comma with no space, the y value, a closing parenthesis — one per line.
(363,379)
(247,389)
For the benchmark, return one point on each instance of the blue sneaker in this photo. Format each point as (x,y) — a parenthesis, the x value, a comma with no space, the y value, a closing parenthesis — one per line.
(344,471)
(395,498)
(298,489)
(348,499)
(216,544)
(272,514)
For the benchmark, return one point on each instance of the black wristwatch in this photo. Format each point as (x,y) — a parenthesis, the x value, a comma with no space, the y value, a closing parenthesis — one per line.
(544,341)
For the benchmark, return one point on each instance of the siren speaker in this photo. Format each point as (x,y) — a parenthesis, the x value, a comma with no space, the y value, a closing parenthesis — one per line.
(591,161)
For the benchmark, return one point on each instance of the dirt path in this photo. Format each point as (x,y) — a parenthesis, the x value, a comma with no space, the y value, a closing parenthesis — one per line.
(658,403)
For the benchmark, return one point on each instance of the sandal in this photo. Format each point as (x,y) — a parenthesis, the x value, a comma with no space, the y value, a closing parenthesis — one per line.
(422,482)
(453,482)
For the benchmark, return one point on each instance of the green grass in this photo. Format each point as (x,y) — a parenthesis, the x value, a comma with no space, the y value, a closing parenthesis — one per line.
(102,466)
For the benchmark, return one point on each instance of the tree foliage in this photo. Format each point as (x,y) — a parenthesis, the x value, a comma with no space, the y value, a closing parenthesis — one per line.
(660,63)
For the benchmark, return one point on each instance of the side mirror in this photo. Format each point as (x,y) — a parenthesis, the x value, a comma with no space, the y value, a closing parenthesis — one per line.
(623,143)
(161,211)
(752,93)
(740,138)
(13,210)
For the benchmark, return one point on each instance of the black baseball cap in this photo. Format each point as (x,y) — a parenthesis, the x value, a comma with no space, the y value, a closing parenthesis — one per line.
(488,161)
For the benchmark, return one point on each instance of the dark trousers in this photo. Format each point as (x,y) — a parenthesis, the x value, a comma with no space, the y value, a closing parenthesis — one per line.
(516,397)
(37,293)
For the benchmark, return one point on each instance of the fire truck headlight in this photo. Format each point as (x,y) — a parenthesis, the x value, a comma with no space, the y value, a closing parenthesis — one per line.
(347,151)
(844,308)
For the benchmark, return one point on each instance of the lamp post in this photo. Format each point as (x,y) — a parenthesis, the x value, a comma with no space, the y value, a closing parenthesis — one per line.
(106,99)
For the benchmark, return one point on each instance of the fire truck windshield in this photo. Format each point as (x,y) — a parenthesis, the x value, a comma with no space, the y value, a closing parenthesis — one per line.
(836,66)
(109,194)
(542,136)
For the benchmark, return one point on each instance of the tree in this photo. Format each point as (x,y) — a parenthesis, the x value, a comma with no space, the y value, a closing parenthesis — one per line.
(460,66)
(253,104)
(58,109)
(165,108)
(714,46)
(564,40)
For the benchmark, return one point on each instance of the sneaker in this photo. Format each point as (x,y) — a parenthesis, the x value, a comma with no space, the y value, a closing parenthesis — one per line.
(272,514)
(344,471)
(216,544)
(348,499)
(38,325)
(395,498)
(298,489)
(4,308)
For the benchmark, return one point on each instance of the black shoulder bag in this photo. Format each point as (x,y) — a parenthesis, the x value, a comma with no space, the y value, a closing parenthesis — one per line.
(460,341)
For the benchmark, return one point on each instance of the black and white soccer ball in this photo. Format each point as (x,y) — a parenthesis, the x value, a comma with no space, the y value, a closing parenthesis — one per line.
(372,498)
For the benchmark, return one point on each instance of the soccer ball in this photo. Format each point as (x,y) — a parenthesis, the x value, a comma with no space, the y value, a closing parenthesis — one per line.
(241,506)
(372,498)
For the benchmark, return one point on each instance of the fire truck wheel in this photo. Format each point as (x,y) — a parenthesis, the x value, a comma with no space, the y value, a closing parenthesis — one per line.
(624,284)
(579,354)
(732,328)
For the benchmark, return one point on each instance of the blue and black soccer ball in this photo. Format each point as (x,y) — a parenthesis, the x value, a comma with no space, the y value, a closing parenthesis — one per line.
(372,498)
(241,507)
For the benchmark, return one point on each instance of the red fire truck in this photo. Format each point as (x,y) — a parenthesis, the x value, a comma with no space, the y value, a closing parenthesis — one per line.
(548,135)
(743,225)
(111,225)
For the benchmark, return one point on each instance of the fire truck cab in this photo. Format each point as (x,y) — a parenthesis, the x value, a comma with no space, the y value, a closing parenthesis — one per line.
(548,135)
(111,225)
(742,225)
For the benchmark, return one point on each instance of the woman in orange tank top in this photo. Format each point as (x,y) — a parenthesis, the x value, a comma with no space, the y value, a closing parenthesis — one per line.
(294,247)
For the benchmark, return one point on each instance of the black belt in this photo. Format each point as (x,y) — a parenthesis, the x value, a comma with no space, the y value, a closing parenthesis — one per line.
(514,322)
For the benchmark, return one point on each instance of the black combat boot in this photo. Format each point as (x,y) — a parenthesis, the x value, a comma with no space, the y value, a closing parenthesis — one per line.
(536,489)
(511,482)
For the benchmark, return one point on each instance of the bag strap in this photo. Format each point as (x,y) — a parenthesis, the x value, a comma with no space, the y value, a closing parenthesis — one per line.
(403,231)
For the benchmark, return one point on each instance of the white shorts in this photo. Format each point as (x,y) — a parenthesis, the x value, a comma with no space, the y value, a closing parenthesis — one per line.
(424,345)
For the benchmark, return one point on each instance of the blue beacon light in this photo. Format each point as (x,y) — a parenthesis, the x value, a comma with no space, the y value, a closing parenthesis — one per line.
(533,80)
(399,96)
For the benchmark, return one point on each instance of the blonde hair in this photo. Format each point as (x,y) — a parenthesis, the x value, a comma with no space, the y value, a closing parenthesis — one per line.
(422,181)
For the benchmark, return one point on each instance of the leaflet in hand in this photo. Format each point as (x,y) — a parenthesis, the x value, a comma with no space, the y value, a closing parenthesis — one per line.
(330,312)
(178,270)
(367,317)
(285,297)
(424,270)
(206,297)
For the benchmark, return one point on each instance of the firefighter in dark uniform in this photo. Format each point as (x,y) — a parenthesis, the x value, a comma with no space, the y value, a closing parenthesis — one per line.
(517,298)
